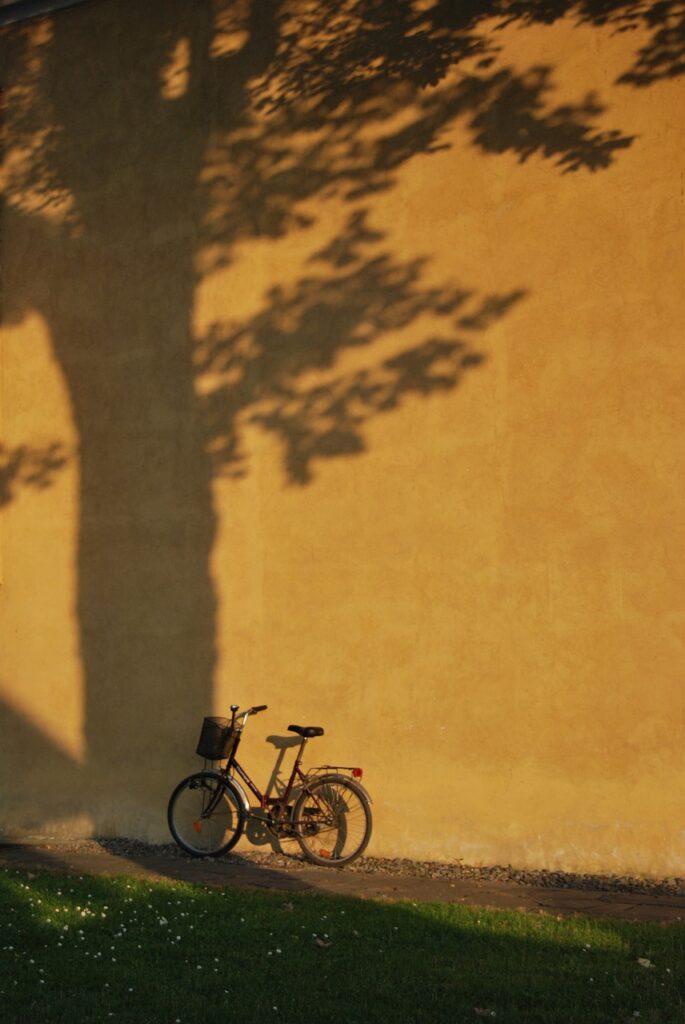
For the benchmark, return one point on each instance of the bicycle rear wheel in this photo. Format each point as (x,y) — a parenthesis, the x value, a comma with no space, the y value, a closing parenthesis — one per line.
(206,816)
(332,820)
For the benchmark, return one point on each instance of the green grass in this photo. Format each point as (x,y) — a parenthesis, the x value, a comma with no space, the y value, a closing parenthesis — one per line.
(88,949)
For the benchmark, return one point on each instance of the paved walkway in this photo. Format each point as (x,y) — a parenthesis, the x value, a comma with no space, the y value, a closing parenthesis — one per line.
(241,873)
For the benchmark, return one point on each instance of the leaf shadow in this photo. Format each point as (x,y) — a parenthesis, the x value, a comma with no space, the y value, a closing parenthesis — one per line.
(260,371)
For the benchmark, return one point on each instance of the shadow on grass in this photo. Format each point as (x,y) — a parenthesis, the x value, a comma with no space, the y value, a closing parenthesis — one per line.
(84,949)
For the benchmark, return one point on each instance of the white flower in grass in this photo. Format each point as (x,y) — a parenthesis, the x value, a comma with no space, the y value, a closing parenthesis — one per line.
(644,962)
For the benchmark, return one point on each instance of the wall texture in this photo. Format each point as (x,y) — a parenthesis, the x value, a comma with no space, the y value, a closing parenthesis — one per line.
(340,355)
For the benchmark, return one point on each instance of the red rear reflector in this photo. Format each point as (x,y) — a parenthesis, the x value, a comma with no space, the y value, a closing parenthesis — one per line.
(357,772)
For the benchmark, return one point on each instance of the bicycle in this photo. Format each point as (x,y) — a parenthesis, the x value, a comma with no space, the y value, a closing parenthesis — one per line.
(207,813)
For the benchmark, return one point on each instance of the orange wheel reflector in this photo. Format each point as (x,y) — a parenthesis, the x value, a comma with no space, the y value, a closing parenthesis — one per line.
(197,826)
(324,853)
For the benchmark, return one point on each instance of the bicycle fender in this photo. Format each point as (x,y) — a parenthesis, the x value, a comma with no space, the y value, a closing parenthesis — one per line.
(236,785)
(332,777)
(241,793)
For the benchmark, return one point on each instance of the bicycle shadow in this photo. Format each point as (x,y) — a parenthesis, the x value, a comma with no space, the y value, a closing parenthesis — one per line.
(257,831)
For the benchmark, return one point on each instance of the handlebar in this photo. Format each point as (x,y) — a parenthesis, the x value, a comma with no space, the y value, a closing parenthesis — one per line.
(246,714)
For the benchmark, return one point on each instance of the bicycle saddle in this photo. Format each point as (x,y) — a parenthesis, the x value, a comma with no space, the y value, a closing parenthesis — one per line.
(306,731)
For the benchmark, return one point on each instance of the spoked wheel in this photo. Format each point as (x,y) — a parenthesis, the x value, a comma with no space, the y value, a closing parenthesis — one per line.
(206,816)
(332,820)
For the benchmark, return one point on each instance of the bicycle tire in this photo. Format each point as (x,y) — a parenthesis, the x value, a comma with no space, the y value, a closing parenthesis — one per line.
(332,820)
(198,833)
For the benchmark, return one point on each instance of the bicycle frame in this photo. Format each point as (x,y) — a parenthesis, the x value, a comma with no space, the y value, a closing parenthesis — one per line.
(267,802)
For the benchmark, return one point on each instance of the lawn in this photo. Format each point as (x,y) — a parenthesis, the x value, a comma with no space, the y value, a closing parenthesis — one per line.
(79,950)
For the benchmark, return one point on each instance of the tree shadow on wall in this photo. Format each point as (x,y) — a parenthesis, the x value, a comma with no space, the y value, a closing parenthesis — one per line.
(661,56)
(257,365)
(136,166)
(345,44)
(33,466)
(340,110)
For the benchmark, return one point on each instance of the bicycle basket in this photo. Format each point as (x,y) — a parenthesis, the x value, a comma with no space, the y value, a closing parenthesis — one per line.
(217,739)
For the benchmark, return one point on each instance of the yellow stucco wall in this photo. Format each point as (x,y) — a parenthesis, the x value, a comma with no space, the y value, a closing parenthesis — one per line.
(340,371)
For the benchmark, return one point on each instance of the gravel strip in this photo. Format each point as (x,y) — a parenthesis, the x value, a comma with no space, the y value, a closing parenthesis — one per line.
(134,849)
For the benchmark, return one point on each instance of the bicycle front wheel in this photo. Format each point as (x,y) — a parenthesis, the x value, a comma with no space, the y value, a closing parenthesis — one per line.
(206,816)
(332,820)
